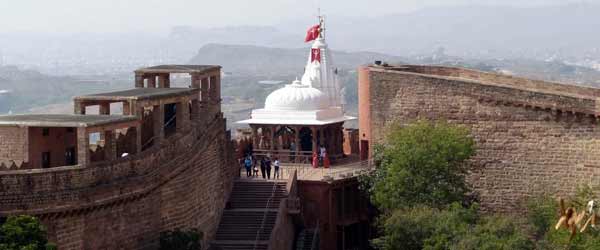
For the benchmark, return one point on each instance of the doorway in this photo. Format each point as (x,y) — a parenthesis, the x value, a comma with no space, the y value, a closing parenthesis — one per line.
(306,139)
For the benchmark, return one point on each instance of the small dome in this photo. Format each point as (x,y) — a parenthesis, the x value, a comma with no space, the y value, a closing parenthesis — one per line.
(296,96)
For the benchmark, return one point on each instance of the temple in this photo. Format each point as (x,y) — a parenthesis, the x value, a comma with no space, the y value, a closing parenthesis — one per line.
(305,115)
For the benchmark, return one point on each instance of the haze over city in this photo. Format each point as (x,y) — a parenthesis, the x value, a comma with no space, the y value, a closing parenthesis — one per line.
(300,124)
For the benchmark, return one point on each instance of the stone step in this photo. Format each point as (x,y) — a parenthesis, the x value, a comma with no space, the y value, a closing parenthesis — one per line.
(239,245)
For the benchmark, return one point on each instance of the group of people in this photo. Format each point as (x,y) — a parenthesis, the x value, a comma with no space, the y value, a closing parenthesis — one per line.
(252,166)
(320,159)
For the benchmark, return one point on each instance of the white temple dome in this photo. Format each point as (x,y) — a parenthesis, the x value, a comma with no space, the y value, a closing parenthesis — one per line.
(296,96)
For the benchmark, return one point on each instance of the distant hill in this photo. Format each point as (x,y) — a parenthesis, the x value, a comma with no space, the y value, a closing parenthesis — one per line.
(22,89)
(257,60)
(473,31)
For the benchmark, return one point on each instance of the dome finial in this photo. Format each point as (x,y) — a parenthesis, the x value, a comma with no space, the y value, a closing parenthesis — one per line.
(321,25)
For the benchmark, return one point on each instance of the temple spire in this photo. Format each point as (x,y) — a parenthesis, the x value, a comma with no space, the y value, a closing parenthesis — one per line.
(321,25)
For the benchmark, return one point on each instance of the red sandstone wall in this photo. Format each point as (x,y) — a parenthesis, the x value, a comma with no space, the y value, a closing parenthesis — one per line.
(13,145)
(527,142)
(333,208)
(126,204)
(56,142)
(364,106)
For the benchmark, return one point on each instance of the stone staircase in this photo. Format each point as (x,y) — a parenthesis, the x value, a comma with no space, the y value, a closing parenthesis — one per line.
(305,240)
(252,205)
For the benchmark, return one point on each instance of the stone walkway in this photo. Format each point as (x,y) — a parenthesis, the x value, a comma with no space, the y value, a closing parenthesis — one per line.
(307,172)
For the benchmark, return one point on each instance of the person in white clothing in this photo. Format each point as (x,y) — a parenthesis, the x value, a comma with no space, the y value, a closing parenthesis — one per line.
(276,166)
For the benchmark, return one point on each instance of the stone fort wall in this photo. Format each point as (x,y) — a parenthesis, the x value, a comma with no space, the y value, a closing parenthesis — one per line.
(532,137)
(184,183)
(9,137)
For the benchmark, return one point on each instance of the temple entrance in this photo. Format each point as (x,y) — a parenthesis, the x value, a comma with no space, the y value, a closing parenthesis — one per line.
(306,139)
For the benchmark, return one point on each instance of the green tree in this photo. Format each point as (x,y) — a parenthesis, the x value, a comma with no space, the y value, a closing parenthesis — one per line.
(23,232)
(181,240)
(422,163)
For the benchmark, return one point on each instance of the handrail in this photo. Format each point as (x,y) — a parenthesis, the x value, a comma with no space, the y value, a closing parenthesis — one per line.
(262,225)
(315,235)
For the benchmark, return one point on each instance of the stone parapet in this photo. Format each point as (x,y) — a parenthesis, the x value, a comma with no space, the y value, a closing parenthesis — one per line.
(532,137)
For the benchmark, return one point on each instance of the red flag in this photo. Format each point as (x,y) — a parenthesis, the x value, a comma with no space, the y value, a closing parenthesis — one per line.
(315,55)
(312,33)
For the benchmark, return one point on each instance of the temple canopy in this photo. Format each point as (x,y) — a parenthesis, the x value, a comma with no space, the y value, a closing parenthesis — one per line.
(315,100)
(305,116)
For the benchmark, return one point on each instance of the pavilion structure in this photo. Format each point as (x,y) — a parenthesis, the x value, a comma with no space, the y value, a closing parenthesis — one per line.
(305,115)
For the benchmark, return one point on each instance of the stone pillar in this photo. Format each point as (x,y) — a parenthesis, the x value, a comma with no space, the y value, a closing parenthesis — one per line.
(83,147)
(297,142)
(127,108)
(139,80)
(297,138)
(151,81)
(79,107)
(321,135)
(110,145)
(105,108)
(164,81)
(195,81)
(215,88)
(204,88)
(182,115)
(255,140)
(272,137)
(158,115)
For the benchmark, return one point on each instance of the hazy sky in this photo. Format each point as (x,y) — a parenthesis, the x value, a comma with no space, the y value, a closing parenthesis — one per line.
(160,15)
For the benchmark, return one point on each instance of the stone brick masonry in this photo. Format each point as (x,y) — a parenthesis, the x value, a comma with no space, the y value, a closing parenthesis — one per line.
(125,204)
(532,137)
(8,138)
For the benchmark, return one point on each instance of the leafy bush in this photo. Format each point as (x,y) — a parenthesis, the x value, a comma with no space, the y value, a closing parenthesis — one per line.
(181,240)
(456,227)
(24,233)
(422,163)
(494,233)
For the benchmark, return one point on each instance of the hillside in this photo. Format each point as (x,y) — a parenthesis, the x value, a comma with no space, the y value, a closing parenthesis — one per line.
(21,90)
(265,61)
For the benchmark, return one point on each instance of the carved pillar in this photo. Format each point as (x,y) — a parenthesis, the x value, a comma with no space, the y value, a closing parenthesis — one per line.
(83,147)
(158,115)
(139,80)
(105,108)
(79,107)
(110,145)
